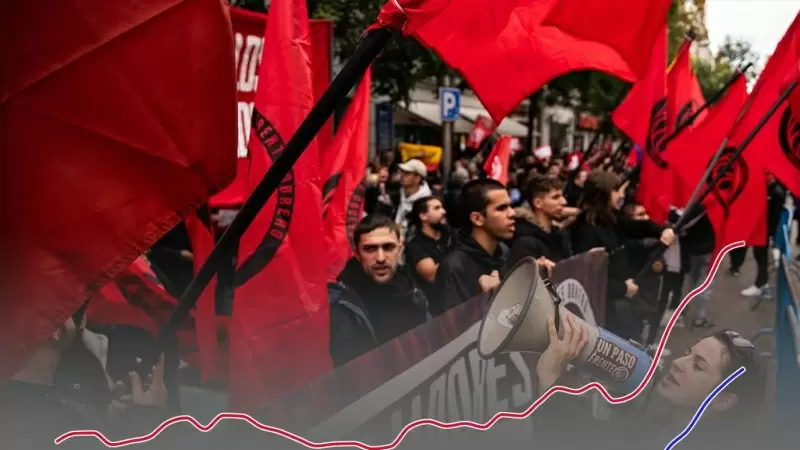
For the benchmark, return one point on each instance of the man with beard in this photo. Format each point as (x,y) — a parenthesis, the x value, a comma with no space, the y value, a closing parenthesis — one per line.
(430,242)
(666,410)
(474,264)
(374,300)
(534,233)
(74,381)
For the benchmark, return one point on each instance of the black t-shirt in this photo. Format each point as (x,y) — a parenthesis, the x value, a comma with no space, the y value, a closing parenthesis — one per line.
(422,246)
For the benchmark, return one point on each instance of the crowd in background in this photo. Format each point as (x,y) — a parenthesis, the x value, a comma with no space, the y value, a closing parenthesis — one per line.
(426,245)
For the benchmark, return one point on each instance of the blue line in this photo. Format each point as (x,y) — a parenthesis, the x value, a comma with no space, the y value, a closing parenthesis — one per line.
(703,407)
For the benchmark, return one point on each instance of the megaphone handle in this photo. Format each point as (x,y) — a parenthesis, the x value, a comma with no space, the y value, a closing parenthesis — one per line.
(554,294)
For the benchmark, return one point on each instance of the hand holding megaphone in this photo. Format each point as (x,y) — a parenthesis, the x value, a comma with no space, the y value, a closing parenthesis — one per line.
(489,282)
(520,319)
(560,352)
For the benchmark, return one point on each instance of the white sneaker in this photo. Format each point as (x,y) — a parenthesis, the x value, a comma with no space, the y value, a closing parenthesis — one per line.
(752,291)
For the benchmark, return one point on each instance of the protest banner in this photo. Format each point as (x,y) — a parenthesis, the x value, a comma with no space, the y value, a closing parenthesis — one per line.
(433,371)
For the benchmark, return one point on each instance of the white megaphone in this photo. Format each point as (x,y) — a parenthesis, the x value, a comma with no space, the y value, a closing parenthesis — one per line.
(517,322)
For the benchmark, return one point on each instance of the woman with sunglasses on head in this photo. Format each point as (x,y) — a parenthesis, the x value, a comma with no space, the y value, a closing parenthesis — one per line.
(666,407)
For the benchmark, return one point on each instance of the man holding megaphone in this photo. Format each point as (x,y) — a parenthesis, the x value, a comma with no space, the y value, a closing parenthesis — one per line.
(526,315)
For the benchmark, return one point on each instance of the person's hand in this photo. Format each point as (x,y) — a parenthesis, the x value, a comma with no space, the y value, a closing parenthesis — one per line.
(489,282)
(153,393)
(560,352)
(668,237)
(547,265)
(632,288)
(597,250)
(187,255)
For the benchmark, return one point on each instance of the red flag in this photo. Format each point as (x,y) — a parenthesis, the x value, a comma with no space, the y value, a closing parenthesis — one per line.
(684,93)
(201,235)
(777,145)
(101,157)
(512,49)
(739,200)
(136,297)
(496,165)
(684,97)
(481,129)
(642,116)
(279,328)
(345,166)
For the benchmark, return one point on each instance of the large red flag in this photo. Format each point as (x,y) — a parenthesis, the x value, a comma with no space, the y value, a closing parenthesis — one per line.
(737,203)
(684,97)
(508,49)
(201,234)
(496,165)
(684,93)
(777,145)
(279,328)
(100,157)
(345,164)
(642,116)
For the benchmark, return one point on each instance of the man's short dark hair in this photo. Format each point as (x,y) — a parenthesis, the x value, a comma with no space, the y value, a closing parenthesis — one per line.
(371,223)
(475,196)
(420,207)
(539,185)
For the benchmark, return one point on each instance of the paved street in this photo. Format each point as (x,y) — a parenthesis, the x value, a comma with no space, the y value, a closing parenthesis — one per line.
(730,310)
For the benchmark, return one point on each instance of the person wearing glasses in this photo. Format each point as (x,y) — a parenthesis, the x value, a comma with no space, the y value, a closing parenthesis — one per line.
(677,392)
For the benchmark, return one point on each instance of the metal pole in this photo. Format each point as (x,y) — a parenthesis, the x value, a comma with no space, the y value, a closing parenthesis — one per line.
(447,141)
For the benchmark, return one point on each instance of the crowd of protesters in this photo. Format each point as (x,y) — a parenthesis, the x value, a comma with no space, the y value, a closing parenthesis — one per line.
(426,245)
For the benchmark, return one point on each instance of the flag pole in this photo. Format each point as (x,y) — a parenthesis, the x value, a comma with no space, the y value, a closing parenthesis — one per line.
(690,120)
(692,207)
(368,49)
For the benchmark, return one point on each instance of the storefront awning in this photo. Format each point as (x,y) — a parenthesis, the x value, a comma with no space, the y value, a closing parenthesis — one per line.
(507,126)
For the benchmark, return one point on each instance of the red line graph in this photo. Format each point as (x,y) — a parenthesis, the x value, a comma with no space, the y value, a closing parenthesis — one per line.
(417,423)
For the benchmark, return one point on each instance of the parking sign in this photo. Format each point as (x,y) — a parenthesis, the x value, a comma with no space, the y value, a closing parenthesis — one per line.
(449,103)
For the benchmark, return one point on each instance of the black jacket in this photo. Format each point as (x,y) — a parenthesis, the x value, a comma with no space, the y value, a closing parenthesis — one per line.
(612,237)
(458,274)
(776,200)
(365,315)
(530,240)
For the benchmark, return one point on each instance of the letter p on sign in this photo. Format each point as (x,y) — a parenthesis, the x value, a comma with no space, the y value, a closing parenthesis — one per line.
(450,104)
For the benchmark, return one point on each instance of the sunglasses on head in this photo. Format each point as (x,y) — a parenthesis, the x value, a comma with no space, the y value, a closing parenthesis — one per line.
(738,341)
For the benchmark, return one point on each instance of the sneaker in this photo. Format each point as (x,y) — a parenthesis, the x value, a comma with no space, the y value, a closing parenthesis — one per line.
(702,323)
(752,291)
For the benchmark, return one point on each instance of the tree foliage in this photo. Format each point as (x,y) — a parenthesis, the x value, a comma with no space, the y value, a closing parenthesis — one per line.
(405,63)
(713,73)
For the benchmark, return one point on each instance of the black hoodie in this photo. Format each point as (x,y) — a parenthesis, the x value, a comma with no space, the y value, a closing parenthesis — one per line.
(360,307)
(531,240)
(458,274)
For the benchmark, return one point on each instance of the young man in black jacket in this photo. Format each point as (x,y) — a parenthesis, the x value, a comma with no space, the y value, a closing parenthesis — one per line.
(474,265)
(374,300)
(534,233)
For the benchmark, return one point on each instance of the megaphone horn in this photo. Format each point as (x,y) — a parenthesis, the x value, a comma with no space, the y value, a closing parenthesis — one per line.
(517,322)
